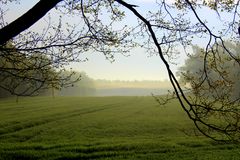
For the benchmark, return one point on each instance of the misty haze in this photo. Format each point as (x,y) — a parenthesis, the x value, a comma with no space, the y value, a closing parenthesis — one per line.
(91,87)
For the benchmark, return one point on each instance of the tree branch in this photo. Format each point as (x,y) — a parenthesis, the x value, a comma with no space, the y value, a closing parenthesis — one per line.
(26,20)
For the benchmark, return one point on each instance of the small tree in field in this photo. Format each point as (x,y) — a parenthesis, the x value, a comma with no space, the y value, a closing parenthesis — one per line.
(161,32)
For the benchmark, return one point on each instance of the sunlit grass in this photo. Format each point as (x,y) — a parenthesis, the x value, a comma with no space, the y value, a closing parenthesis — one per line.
(101,128)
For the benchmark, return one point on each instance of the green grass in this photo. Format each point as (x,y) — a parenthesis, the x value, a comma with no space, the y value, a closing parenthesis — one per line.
(72,128)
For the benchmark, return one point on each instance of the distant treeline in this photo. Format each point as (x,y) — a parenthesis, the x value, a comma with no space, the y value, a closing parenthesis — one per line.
(87,86)
(101,87)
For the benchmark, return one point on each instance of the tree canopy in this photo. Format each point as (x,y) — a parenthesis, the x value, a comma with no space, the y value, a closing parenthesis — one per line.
(162,32)
(213,87)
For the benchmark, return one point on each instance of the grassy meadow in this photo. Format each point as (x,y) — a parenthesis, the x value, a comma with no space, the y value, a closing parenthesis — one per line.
(117,128)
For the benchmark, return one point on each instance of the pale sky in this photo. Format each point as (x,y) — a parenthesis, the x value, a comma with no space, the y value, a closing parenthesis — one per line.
(138,66)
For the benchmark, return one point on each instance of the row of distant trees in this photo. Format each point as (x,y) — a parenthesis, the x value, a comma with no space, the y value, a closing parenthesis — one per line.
(20,76)
(34,74)
(102,87)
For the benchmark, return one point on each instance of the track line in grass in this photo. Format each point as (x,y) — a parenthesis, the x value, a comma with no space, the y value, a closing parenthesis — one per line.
(16,127)
(19,127)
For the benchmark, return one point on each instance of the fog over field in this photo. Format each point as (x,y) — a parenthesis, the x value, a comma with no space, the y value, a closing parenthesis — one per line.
(131,88)
(101,87)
